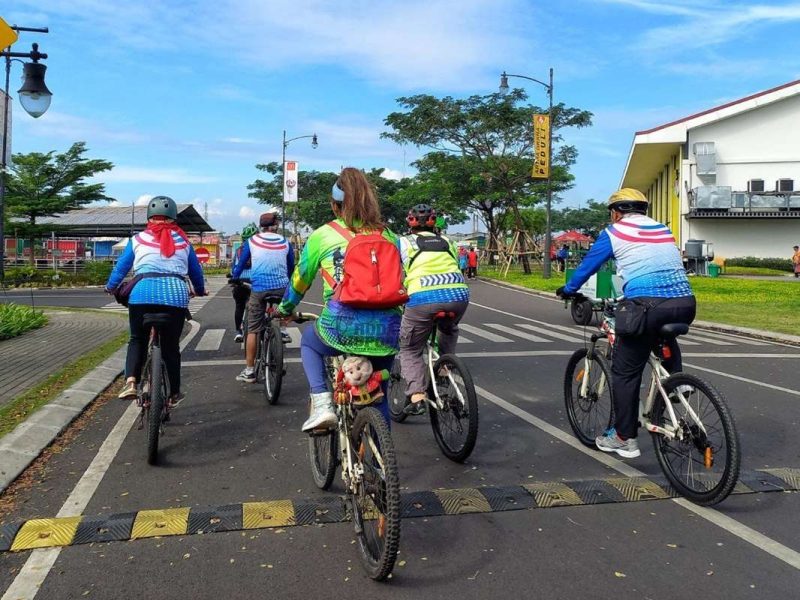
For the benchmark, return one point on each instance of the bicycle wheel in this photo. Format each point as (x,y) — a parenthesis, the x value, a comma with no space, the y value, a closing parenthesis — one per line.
(702,466)
(455,425)
(589,415)
(376,498)
(322,453)
(397,394)
(157,398)
(273,363)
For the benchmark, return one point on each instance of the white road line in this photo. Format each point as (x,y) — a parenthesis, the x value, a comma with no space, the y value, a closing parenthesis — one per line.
(211,340)
(569,330)
(745,379)
(738,355)
(684,342)
(229,362)
(492,337)
(33,573)
(515,354)
(463,340)
(731,337)
(520,334)
(732,526)
(708,340)
(295,334)
(552,334)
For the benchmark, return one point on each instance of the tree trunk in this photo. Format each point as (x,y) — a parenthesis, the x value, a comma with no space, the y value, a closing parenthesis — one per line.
(526,264)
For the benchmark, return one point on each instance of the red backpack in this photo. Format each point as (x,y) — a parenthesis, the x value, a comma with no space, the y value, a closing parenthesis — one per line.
(372,271)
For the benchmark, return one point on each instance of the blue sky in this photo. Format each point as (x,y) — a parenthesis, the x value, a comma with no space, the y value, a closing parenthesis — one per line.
(185,97)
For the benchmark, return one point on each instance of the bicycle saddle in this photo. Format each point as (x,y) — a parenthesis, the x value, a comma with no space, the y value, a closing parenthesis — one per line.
(673,330)
(157,319)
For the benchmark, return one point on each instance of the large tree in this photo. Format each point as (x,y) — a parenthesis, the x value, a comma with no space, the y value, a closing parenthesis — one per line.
(590,219)
(482,151)
(43,185)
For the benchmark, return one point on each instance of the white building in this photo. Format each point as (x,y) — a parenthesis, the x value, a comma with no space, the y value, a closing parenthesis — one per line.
(729,175)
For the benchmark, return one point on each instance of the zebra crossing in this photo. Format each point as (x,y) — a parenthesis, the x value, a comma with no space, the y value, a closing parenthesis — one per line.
(213,286)
(212,339)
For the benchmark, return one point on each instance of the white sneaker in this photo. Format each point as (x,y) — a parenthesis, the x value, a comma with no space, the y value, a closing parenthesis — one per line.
(322,413)
(238,338)
(247,376)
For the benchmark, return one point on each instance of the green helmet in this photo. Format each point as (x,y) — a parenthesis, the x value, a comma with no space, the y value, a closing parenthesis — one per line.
(249,231)
(162,205)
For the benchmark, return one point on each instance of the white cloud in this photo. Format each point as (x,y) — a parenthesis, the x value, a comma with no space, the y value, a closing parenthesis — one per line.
(239,140)
(120,174)
(392,174)
(144,199)
(72,127)
(245,212)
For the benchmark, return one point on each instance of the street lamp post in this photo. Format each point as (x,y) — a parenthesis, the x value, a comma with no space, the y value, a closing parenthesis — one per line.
(35,99)
(286,142)
(548,232)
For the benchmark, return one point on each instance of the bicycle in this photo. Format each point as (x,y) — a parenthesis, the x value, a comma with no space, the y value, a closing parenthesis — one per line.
(153,390)
(453,403)
(693,431)
(362,444)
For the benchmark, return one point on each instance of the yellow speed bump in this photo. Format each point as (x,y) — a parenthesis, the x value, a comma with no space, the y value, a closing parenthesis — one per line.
(46,533)
(153,523)
(273,513)
(463,501)
(553,493)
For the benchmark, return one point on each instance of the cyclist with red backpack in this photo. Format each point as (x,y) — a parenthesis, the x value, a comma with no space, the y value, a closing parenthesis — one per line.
(362,274)
(435,284)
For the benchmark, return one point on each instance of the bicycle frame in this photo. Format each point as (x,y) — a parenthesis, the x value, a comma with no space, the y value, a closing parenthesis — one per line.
(433,356)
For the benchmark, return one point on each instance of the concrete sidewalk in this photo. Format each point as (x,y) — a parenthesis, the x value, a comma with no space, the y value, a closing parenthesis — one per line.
(29,359)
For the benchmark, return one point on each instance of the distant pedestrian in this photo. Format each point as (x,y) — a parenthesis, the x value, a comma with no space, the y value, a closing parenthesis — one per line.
(472,263)
(561,257)
(462,261)
(796,261)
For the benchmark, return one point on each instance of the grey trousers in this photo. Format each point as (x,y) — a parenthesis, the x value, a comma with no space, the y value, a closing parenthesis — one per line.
(414,331)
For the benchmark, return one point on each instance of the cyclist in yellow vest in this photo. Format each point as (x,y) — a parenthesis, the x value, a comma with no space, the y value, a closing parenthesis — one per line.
(435,283)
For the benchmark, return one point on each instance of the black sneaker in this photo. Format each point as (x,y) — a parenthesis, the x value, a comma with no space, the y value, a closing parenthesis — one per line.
(415,409)
(286,338)
(239,338)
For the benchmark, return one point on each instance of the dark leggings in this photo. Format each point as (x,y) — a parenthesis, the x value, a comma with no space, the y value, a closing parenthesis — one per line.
(241,294)
(170,341)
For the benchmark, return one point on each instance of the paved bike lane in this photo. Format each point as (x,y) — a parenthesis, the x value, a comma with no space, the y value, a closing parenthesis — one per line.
(227,446)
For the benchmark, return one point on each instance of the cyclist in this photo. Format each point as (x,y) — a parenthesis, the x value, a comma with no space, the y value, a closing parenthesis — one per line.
(656,291)
(341,328)
(241,292)
(435,283)
(161,257)
(272,260)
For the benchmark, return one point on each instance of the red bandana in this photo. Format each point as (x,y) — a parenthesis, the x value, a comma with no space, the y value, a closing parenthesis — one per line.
(162,231)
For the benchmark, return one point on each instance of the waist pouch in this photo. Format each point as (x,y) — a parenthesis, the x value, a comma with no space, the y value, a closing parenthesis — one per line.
(123,292)
(631,315)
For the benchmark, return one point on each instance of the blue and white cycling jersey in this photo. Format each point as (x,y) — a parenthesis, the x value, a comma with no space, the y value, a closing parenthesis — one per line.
(245,274)
(271,262)
(143,254)
(648,261)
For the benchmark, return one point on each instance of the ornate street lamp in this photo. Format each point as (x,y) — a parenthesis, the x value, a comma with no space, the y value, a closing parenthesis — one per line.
(314,145)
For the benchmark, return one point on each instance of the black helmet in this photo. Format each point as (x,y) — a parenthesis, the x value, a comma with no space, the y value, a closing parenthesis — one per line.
(162,205)
(268,219)
(422,215)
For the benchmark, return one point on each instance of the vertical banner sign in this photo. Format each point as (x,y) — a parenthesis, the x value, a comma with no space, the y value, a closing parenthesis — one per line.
(290,181)
(541,147)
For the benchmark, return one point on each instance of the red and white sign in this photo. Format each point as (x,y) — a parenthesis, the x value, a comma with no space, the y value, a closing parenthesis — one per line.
(290,173)
(202,255)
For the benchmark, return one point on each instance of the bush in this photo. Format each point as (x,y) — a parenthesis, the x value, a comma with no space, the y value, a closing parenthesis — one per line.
(779,264)
(16,320)
(97,272)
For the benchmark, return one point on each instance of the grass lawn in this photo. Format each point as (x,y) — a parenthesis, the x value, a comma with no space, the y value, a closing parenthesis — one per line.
(760,304)
(756,271)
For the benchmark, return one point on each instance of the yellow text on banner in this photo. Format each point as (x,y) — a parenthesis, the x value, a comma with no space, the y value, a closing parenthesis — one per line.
(541,147)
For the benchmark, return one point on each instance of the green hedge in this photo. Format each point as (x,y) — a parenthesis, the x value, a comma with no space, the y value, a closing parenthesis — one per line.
(16,320)
(780,264)
(94,273)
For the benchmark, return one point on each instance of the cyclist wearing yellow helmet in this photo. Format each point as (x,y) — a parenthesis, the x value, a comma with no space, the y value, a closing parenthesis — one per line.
(656,291)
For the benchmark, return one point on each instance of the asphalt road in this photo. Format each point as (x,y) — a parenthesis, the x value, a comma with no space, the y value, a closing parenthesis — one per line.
(69,297)
(226,446)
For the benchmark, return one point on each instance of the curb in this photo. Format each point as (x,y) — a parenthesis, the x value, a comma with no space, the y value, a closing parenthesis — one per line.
(784,338)
(25,443)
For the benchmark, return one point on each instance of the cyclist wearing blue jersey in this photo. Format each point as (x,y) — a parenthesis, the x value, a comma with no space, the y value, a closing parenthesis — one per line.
(656,291)
(271,260)
(241,291)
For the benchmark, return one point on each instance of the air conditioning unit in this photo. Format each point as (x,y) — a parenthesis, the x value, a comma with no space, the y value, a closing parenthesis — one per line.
(784,185)
(755,185)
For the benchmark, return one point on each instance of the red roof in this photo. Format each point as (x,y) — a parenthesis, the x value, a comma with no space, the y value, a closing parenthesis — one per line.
(573,236)
(716,108)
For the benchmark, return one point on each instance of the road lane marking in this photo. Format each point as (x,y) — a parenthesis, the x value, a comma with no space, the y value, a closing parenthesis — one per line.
(732,526)
(33,573)
(738,355)
(699,338)
(210,341)
(296,335)
(181,521)
(553,334)
(492,337)
(732,337)
(520,334)
(745,379)
(228,362)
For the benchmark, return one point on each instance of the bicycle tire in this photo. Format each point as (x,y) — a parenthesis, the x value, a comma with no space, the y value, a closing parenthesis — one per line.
(376,501)
(459,451)
(157,399)
(273,363)
(589,416)
(322,454)
(704,490)
(397,394)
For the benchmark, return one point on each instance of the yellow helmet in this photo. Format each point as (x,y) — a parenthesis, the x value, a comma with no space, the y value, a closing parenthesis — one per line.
(626,196)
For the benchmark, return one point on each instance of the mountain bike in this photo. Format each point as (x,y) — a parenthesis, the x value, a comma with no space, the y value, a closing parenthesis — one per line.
(363,446)
(693,431)
(153,390)
(453,403)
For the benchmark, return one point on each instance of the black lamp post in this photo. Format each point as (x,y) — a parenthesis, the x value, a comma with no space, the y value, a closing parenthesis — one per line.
(548,232)
(314,145)
(35,99)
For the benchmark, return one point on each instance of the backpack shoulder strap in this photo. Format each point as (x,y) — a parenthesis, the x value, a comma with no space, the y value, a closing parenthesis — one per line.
(343,231)
(420,250)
